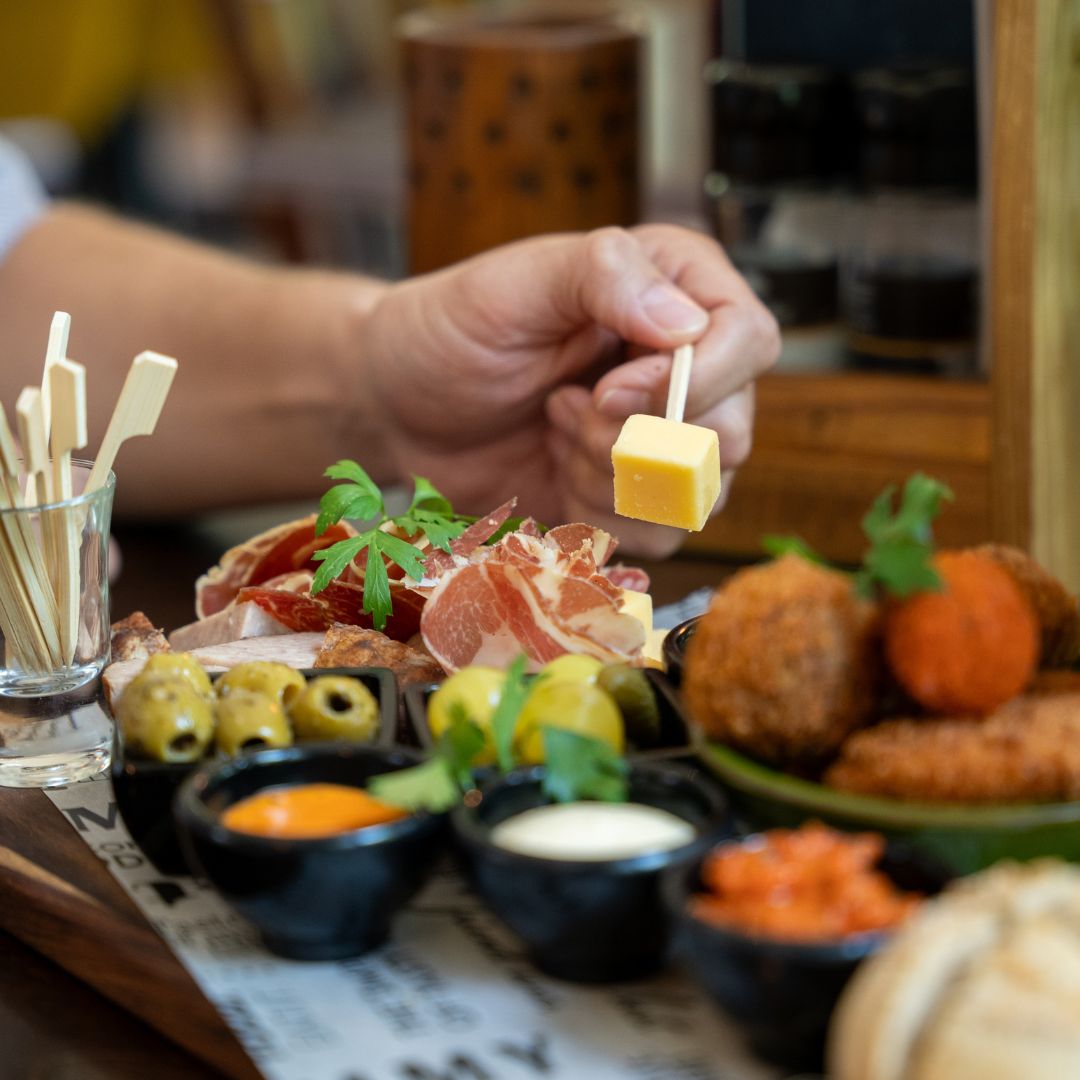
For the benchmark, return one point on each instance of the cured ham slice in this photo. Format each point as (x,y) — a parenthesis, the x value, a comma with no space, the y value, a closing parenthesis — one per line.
(543,596)
(235,622)
(627,577)
(478,533)
(282,550)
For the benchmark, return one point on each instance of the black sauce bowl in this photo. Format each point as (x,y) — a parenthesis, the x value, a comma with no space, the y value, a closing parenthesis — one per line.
(674,649)
(673,739)
(144,790)
(587,921)
(313,899)
(781,993)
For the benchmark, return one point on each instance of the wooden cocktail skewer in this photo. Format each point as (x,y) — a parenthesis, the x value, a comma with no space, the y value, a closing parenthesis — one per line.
(32,605)
(56,350)
(137,409)
(679,384)
(68,427)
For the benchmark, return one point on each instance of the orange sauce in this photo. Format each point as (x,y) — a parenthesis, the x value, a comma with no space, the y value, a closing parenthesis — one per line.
(308,811)
(806,884)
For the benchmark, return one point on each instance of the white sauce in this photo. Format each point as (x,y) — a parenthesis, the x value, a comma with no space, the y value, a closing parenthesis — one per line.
(592,831)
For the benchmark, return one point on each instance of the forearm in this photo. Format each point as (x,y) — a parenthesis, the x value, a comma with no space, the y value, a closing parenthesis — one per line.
(271,384)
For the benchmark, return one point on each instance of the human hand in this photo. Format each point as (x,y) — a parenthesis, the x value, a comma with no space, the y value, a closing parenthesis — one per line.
(510,373)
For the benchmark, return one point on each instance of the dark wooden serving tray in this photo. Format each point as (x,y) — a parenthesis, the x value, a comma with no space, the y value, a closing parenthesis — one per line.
(58,898)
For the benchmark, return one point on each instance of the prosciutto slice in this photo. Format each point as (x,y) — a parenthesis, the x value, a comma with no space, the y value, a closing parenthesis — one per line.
(283,550)
(543,596)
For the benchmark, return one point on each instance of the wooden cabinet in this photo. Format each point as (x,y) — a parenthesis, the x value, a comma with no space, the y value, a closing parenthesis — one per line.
(1009,447)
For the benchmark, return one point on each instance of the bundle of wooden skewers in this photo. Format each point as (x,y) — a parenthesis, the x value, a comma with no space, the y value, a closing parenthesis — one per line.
(40,560)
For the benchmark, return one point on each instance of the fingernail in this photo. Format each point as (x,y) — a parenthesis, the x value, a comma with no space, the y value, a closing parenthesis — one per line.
(672,310)
(619,404)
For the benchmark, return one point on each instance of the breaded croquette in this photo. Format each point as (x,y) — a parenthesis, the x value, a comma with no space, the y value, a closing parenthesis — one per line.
(1054,606)
(786,662)
(1028,750)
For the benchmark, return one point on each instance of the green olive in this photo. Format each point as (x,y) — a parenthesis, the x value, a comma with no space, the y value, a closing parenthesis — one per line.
(275,680)
(474,692)
(165,718)
(636,700)
(575,707)
(249,721)
(183,664)
(572,668)
(335,707)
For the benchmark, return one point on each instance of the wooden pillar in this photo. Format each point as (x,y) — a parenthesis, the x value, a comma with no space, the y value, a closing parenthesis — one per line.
(1034,288)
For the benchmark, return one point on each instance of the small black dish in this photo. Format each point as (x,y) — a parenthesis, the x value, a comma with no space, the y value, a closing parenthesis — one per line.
(672,741)
(144,790)
(317,899)
(587,921)
(781,993)
(674,649)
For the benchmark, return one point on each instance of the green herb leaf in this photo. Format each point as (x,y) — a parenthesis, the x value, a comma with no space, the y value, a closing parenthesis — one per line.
(776,546)
(377,602)
(438,528)
(335,558)
(461,744)
(346,501)
(504,718)
(582,768)
(429,786)
(428,497)
(901,543)
(399,551)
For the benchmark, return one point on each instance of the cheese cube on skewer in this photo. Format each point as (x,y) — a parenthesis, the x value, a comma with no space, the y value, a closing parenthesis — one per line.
(666,472)
(638,604)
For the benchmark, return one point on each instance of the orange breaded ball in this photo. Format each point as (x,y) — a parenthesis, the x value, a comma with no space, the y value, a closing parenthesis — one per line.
(785,663)
(966,649)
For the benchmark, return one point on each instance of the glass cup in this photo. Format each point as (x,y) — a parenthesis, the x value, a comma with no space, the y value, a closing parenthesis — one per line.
(54,623)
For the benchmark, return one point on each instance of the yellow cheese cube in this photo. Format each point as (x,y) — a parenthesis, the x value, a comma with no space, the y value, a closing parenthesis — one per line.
(638,604)
(654,646)
(666,472)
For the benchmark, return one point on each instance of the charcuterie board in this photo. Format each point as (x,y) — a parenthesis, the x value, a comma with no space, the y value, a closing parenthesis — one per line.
(57,897)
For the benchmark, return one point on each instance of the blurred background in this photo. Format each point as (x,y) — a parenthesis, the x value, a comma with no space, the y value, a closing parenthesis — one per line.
(831,145)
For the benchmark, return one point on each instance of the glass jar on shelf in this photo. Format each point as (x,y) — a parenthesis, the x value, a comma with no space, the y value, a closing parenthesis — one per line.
(772,197)
(909,278)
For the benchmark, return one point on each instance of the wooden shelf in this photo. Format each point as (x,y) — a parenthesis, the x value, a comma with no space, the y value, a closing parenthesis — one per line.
(825,445)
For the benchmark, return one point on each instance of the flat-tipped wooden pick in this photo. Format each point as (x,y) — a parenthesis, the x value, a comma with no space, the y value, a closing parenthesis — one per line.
(137,409)
(62,530)
(59,332)
(30,418)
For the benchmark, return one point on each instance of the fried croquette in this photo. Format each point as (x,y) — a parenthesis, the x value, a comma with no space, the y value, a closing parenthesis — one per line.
(968,648)
(1026,751)
(1055,607)
(785,663)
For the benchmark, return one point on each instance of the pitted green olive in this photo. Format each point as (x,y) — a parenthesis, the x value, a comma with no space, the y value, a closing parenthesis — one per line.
(249,721)
(182,664)
(335,707)
(636,699)
(275,680)
(165,718)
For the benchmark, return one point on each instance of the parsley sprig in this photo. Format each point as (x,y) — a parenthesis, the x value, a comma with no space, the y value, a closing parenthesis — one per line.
(899,558)
(358,498)
(902,542)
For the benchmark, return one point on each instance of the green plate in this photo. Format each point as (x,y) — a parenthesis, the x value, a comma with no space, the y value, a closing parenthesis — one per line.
(962,838)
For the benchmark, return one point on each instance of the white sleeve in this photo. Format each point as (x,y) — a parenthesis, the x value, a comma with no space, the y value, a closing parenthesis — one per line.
(22,198)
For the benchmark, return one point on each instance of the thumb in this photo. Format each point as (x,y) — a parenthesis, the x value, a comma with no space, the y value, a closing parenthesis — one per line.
(610,280)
